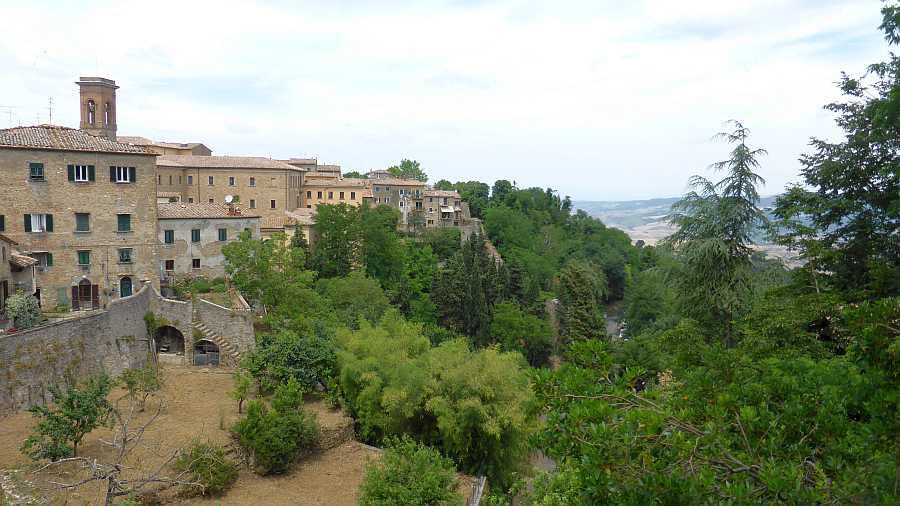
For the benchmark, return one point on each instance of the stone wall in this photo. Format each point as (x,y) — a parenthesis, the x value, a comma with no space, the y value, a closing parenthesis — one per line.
(234,325)
(65,352)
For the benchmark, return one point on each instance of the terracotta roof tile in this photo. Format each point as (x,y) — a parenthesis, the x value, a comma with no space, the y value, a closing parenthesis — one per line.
(338,183)
(441,193)
(63,139)
(223,162)
(177,210)
(302,215)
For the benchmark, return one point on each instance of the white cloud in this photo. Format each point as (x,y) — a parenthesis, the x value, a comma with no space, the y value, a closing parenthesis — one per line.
(599,99)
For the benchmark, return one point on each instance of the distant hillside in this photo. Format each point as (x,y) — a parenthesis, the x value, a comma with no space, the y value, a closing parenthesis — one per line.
(646,219)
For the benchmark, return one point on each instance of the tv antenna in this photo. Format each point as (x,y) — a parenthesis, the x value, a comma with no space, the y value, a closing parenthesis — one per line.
(50,111)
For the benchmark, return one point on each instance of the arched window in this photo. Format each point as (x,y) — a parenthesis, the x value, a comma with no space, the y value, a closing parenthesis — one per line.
(125,287)
(106,115)
(91,110)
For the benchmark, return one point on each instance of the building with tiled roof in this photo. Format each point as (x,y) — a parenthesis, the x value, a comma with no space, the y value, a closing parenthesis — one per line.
(191,237)
(16,273)
(264,186)
(59,138)
(167,148)
(82,205)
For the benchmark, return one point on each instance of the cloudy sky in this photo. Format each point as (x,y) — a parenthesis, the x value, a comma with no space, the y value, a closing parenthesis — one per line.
(600,99)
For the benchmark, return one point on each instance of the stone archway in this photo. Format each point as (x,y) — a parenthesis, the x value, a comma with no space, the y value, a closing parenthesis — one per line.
(206,352)
(126,287)
(169,341)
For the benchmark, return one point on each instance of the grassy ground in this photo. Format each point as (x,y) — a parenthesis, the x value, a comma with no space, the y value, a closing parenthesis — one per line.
(197,406)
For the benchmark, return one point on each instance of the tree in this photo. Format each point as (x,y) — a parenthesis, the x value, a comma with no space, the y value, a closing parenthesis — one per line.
(408,169)
(74,413)
(445,185)
(581,287)
(518,331)
(354,297)
(381,248)
(851,190)
(285,355)
(23,310)
(355,175)
(243,384)
(141,383)
(409,473)
(209,466)
(715,223)
(501,189)
(337,250)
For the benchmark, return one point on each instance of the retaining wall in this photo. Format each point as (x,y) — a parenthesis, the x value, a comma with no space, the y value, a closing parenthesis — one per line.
(234,325)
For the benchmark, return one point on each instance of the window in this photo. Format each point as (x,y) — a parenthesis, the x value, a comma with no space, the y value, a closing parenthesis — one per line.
(82,222)
(319,195)
(223,234)
(84,257)
(212,201)
(252,204)
(272,204)
(418,205)
(158,179)
(2,223)
(352,195)
(209,180)
(170,265)
(431,222)
(124,222)
(401,203)
(230,180)
(122,174)
(39,223)
(106,115)
(81,173)
(309,206)
(91,110)
(190,200)
(125,287)
(341,195)
(44,259)
(190,180)
(330,195)
(179,179)
(36,171)
(252,181)
(170,179)
(309,195)
(195,263)
(195,235)
(169,236)
(125,255)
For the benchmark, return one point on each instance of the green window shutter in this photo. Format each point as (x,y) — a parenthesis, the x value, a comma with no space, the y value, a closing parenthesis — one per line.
(92,173)
(28,223)
(49,223)
(112,173)
(71,171)
(49,259)
(132,174)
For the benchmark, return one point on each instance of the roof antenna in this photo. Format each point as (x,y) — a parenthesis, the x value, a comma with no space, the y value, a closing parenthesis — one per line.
(50,111)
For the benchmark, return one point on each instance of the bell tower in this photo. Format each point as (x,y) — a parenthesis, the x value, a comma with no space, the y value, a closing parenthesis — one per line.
(98,106)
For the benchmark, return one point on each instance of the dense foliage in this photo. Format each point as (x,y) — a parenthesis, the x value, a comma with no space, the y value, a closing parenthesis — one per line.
(409,473)
(23,310)
(275,436)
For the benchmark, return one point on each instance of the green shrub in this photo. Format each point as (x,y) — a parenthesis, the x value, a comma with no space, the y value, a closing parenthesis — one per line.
(410,473)
(218,285)
(208,465)
(23,310)
(140,383)
(200,285)
(276,436)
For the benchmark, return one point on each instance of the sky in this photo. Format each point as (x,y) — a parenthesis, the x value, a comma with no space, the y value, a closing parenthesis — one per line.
(599,99)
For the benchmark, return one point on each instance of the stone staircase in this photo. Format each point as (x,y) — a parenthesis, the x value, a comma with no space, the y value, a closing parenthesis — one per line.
(228,354)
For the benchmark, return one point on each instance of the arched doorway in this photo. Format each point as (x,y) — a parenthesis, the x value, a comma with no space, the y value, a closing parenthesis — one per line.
(126,288)
(206,353)
(169,340)
(85,295)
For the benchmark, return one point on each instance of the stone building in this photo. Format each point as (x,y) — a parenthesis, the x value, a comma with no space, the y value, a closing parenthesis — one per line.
(261,186)
(83,206)
(16,274)
(191,237)
(167,148)
(444,209)
(334,191)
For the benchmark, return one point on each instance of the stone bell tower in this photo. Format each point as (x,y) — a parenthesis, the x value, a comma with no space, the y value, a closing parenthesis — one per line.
(98,106)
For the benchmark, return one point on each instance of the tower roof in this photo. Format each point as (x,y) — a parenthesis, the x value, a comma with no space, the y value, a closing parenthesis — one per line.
(96,81)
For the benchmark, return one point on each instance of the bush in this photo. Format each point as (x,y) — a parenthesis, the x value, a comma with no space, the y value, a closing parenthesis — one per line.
(23,310)
(140,383)
(208,465)
(276,436)
(410,473)
(278,358)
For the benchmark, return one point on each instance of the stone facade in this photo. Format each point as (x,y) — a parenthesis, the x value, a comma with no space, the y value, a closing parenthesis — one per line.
(194,230)
(334,191)
(112,224)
